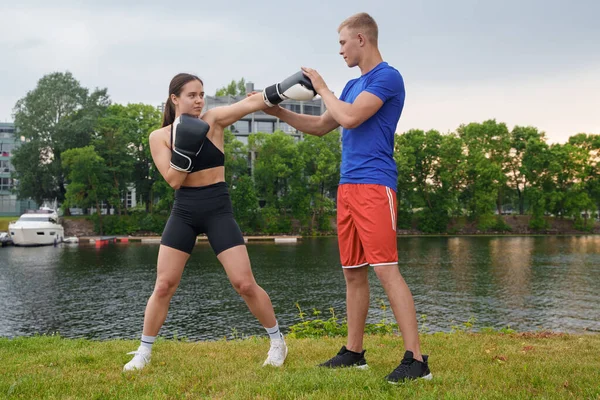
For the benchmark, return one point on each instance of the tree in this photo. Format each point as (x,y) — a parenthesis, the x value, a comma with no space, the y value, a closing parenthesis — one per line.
(245,202)
(277,171)
(567,167)
(534,168)
(321,157)
(88,179)
(520,138)
(236,158)
(487,146)
(591,180)
(429,172)
(233,89)
(122,140)
(56,116)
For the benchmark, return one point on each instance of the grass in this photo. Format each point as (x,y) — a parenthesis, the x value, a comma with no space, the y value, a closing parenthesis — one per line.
(4,222)
(464,365)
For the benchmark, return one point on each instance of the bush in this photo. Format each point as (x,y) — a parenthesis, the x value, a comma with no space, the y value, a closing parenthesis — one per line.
(433,221)
(538,223)
(130,224)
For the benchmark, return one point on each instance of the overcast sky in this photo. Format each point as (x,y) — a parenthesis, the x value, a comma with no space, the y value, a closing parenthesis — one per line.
(523,62)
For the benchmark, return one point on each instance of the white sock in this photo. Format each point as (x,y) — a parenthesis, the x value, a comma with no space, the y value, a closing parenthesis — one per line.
(274,332)
(147,341)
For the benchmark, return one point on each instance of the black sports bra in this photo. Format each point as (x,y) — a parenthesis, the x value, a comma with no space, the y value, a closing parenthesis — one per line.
(208,157)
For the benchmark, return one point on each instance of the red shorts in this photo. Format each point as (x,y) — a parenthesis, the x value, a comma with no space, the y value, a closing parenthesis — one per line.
(366,221)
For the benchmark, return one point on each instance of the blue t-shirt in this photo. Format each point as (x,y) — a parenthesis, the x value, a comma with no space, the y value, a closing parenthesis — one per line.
(368,149)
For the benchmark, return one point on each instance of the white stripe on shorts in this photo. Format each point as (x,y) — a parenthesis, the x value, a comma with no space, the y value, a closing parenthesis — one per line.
(355,266)
(391,203)
(380,264)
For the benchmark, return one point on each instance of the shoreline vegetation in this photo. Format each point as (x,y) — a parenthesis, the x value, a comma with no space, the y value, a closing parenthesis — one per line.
(509,225)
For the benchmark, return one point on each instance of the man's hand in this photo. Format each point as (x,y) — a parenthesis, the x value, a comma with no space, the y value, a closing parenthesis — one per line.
(317,81)
(271,110)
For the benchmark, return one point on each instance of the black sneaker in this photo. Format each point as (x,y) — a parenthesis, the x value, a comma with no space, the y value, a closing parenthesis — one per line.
(410,369)
(347,358)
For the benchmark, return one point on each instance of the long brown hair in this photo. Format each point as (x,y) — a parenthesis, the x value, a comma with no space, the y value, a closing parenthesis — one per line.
(175,87)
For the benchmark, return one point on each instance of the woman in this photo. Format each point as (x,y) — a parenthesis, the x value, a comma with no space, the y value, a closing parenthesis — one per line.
(202,205)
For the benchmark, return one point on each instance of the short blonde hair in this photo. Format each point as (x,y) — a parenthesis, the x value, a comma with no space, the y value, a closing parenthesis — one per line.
(364,23)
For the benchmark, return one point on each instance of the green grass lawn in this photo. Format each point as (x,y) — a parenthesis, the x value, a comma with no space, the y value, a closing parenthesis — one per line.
(4,222)
(464,365)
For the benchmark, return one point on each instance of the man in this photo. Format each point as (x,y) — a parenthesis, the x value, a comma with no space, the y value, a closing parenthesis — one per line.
(368,111)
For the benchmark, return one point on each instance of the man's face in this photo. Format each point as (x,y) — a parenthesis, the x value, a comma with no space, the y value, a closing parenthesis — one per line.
(350,46)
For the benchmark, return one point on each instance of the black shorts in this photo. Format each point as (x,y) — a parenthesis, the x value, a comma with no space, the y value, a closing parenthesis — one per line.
(204,209)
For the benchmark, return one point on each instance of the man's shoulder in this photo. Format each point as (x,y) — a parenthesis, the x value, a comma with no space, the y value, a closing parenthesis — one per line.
(386,71)
(351,82)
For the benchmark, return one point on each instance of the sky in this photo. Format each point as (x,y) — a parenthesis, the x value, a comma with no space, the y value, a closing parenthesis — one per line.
(522,62)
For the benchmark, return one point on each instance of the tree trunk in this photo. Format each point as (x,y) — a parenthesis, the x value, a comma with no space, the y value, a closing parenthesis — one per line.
(499,202)
(99,213)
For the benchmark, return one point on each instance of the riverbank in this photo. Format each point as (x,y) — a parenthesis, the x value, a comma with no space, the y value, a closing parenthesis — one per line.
(460,226)
(518,225)
(464,365)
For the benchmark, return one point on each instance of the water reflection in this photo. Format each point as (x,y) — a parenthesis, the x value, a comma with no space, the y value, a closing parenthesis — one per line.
(525,282)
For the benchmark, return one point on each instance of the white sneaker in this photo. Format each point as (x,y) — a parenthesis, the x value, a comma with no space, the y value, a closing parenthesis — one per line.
(140,359)
(277,353)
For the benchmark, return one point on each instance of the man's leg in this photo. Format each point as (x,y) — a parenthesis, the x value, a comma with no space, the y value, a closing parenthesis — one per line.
(357,305)
(357,287)
(403,306)
(375,217)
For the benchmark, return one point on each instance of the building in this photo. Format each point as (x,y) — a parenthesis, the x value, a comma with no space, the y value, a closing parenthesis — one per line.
(261,122)
(7,145)
(9,204)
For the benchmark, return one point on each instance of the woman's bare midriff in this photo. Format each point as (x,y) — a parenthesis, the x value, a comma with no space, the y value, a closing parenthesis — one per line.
(205,177)
(208,176)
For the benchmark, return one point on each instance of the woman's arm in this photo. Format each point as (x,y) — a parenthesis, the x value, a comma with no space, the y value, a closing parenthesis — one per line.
(161,155)
(227,115)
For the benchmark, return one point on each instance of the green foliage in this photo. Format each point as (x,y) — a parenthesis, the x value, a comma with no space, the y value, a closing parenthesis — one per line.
(134,223)
(493,223)
(480,171)
(58,115)
(273,221)
(433,221)
(233,89)
(335,326)
(245,203)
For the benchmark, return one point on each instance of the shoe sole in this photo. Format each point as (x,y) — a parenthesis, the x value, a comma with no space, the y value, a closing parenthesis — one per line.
(427,377)
(361,367)
(132,369)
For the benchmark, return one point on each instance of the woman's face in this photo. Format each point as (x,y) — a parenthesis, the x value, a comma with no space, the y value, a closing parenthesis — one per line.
(191,99)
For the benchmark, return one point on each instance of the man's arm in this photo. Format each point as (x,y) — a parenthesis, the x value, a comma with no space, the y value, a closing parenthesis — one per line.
(311,124)
(348,115)
(351,115)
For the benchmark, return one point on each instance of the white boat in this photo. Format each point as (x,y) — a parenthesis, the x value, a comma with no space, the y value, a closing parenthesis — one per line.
(37,228)
(5,239)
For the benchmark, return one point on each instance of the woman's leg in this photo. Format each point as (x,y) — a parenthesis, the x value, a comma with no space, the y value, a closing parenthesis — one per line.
(237,266)
(177,243)
(236,262)
(169,270)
